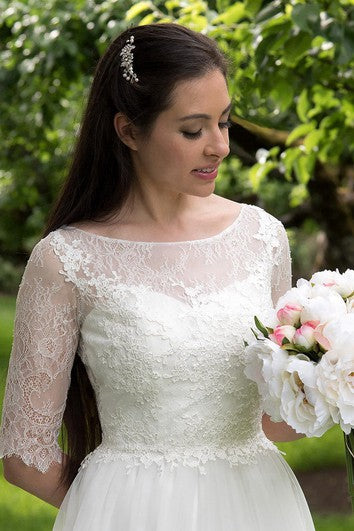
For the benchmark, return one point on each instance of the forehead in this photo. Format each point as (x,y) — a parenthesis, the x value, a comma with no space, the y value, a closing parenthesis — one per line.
(203,94)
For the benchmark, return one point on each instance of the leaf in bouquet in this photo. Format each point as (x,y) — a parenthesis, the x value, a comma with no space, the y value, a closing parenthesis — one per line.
(289,346)
(254,333)
(245,344)
(261,327)
(304,350)
(349,455)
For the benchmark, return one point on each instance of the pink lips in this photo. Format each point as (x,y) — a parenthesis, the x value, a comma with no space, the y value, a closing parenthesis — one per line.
(206,176)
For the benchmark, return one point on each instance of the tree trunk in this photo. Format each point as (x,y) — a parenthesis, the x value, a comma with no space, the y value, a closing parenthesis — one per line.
(334,215)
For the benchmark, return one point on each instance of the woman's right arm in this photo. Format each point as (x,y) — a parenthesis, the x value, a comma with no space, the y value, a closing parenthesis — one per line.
(46,336)
(45,486)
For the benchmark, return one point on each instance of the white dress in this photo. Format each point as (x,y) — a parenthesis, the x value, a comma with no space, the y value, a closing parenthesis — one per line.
(160,327)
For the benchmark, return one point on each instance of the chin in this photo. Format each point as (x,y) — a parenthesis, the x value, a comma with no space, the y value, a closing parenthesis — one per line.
(206,191)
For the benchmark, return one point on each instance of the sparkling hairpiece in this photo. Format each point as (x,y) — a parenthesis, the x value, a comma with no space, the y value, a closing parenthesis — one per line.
(127,60)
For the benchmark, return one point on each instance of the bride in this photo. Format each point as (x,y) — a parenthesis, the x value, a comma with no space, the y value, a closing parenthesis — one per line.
(133,309)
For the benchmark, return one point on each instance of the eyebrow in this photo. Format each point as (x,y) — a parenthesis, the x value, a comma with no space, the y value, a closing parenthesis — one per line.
(206,116)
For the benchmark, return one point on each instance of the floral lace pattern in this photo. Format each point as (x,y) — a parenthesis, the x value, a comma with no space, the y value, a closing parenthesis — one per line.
(160,327)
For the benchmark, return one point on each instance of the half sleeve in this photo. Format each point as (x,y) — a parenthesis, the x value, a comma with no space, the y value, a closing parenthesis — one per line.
(45,340)
(281,271)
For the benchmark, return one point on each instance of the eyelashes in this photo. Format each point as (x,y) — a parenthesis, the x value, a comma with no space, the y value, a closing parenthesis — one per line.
(198,134)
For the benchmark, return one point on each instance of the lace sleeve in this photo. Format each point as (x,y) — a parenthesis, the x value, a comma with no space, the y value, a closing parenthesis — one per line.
(281,274)
(44,345)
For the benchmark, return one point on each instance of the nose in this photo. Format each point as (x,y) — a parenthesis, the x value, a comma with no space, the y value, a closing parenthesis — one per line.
(218,144)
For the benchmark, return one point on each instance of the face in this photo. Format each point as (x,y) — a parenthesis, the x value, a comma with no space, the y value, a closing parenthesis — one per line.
(189,140)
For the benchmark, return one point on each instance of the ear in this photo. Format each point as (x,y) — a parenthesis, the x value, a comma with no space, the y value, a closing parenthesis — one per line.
(125,130)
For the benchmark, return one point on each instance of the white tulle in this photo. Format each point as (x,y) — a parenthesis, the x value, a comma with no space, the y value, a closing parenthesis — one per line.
(160,327)
(263,496)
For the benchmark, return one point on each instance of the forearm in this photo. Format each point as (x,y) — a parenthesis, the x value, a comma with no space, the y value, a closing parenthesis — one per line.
(45,486)
(279,431)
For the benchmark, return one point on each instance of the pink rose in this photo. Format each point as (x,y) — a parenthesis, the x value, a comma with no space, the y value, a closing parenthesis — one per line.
(282,331)
(305,335)
(289,314)
(320,338)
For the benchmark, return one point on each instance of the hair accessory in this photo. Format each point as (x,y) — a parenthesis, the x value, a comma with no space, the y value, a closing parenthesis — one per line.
(127,60)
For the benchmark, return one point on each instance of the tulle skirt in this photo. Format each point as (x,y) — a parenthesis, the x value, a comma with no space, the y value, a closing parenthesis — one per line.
(264,496)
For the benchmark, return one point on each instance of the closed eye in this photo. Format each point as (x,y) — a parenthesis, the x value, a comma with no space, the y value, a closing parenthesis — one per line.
(198,134)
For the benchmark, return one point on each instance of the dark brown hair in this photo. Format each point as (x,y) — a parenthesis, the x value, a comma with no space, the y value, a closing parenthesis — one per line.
(101,173)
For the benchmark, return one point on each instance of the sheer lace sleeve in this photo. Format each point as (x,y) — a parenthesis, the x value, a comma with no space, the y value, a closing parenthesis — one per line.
(44,345)
(281,275)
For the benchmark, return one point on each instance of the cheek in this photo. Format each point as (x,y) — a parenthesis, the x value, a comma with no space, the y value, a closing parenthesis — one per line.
(175,151)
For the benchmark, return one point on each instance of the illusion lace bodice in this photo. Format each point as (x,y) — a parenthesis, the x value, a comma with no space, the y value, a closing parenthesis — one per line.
(160,327)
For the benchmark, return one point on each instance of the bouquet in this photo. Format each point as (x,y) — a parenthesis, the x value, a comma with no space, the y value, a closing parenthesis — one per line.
(303,364)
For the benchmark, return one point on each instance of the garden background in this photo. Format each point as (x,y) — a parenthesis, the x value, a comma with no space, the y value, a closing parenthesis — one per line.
(292,140)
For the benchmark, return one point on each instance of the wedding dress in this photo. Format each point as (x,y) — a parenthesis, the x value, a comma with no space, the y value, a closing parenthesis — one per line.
(160,327)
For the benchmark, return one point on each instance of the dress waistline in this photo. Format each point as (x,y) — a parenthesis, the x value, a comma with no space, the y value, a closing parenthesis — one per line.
(170,458)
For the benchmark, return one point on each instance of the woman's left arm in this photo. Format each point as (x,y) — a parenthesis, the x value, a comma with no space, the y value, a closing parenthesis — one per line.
(279,431)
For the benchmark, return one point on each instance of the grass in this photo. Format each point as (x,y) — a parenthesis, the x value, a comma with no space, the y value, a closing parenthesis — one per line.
(22,511)
(334,523)
(316,453)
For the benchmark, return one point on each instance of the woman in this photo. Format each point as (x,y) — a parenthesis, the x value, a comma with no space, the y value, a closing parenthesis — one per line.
(133,311)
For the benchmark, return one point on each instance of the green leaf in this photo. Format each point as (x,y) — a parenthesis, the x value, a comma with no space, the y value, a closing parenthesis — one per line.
(254,333)
(282,93)
(303,105)
(313,138)
(252,6)
(261,327)
(259,171)
(300,131)
(232,15)
(306,16)
(137,9)
(298,194)
(148,19)
(270,11)
(296,47)
(172,4)
(303,167)
(289,347)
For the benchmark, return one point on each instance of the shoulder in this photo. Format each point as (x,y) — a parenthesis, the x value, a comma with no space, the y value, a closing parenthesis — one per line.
(268,229)
(264,217)
(53,251)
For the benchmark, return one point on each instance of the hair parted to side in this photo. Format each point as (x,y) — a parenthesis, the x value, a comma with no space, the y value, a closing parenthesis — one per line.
(101,174)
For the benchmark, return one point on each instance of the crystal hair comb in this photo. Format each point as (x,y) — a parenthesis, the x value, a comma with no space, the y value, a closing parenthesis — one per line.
(127,60)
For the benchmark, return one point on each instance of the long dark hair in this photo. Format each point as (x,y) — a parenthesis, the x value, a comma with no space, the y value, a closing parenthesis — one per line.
(101,174)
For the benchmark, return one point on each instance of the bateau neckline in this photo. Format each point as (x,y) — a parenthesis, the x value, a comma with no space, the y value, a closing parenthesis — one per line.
(136,242)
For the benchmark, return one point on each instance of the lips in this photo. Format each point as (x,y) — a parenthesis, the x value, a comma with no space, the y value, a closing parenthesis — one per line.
(206,173)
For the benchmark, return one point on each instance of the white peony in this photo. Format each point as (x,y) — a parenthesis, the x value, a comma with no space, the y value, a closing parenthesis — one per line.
(326,278)
(346,284)
(335,374)
(266,364)
(302,405)
(295,296)
(341,283)
(339,332)
(323,306)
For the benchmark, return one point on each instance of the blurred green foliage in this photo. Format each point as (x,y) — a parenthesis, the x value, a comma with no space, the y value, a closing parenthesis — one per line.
(292,87)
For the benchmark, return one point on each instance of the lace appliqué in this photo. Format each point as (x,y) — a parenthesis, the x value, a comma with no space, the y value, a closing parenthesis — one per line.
(191,457)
